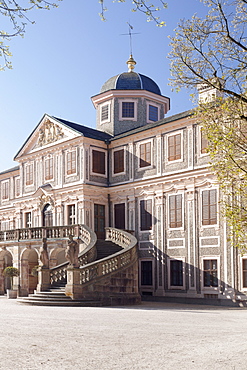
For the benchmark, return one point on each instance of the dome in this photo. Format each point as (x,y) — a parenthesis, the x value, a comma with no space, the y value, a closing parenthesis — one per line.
(131,81)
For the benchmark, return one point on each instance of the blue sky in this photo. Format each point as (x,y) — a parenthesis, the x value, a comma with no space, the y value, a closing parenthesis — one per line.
(69,53)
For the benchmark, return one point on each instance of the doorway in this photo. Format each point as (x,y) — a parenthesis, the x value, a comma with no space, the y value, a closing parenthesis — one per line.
(119,216)
(99,220)
(47,215)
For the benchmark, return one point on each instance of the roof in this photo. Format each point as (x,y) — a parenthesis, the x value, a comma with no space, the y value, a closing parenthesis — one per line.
(131,81)
(164,121)
(16,168)
(85,131)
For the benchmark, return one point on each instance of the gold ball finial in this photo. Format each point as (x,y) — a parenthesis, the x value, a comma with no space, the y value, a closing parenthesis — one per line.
(131,63)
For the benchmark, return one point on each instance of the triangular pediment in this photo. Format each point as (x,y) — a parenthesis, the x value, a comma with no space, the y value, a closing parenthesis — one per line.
(48,132)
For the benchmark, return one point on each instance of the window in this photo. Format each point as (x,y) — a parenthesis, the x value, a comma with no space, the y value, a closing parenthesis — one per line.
(210,273)
(146,273)
(71,214)
(176,272)
(104,113)
(98,162)
(71,162)
(17,187)
(29,174)
(49,169)
(119,215)
(28,219)
(204,141)
(146,214)
(244,264)
(118,161)
(174,147)
(5,190)
(128,109)
(209,207)
(153,113)
(145,154)
(175,210)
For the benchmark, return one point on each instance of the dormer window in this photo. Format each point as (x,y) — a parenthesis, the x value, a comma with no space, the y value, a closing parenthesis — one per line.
(128,110)
(105,113)
(153,113)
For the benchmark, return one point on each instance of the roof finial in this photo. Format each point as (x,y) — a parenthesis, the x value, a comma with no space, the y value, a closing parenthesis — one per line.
(131,63)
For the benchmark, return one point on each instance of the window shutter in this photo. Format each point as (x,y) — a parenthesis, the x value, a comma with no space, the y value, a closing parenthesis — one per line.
(98,162)
(118,158)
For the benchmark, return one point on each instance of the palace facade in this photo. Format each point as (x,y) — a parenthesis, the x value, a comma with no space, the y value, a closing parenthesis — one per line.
(137,171)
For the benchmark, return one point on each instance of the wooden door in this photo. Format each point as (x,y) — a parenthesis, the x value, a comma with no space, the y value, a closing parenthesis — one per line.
(119,214)
(99,220)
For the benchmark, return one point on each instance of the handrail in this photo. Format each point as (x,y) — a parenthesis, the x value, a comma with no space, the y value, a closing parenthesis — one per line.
(127,256)
(38,233)
(58,274)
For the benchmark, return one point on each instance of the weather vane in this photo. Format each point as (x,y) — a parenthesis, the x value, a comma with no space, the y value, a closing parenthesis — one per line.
(130,33)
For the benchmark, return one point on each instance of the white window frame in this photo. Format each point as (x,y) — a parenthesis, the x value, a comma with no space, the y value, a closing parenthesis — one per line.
(2,185)
(199,135)
(168,211)
(25,219)
(174,133)
(91,162)
(121,118)
(200,208)
(206,289)
(154,105)
(146,287)
(25,171)
(150,231)
(113,151)
(67,213)
(46,158)
(16,179)
(109,112)
(66,162)
(175,287)
(138,149)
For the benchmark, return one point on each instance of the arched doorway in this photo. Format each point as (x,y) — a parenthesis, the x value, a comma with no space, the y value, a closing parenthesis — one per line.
(29,260)
(5,261)
(47,215)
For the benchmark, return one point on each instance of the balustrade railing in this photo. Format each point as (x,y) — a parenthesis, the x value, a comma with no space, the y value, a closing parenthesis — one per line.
(87,238)
(121,259)
(36,233)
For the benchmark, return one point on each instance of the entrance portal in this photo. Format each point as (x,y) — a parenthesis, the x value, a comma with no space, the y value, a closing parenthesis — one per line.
(47,215)
(99,220)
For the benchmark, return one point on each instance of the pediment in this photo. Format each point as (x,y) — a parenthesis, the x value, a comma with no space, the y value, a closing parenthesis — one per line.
(48,132)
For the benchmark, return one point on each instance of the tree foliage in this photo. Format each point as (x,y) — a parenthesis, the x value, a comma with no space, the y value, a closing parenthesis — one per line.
(150,9)
(17,13)
(211,52)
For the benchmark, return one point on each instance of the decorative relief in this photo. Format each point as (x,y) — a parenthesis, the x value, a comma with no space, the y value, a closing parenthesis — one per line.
(45,199)
(49,133)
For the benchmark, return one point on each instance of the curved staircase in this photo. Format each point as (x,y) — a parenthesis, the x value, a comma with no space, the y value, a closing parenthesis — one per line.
(108,275)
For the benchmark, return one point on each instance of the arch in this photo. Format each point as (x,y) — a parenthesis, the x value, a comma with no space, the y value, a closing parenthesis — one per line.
(29,259)
(47,215)
(57,256)
(6,259)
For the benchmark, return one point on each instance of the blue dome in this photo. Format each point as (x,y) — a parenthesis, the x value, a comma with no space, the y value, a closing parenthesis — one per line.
(131,81)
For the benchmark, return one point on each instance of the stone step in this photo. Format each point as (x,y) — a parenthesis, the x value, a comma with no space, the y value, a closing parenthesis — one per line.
(106,248)
(70,302)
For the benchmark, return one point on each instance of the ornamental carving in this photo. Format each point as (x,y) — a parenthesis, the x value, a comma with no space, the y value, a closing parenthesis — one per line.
(49,133)
(45,199)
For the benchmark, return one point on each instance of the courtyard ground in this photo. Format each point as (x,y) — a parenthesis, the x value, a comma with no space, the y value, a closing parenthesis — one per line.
(150,336)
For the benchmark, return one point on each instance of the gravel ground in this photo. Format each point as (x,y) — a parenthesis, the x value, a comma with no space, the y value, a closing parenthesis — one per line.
(149,336)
